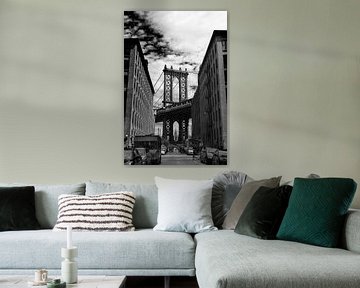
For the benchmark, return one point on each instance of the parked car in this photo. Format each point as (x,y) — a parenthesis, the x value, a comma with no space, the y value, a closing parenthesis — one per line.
(190,150)
(219,157)
(152,144)
(206,155)
(213,156)
(153,156)
(163,149)
(132,157)
(144,156)
(181,148)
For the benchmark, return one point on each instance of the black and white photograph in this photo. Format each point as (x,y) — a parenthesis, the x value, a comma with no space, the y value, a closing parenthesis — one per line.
(175,88)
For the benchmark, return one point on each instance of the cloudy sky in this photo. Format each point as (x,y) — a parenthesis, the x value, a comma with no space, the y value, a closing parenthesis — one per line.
(174,38)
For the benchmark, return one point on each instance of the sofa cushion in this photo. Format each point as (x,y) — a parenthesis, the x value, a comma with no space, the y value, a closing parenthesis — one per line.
(317,209)
(243,198)
(105,212)
(146,205)
(138,250)
(263,214)
(226,187)
(225,259)
(17,208)
(184,205)
(46,200)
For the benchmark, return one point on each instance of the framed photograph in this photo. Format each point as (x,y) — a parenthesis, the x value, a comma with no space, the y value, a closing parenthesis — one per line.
(175,88)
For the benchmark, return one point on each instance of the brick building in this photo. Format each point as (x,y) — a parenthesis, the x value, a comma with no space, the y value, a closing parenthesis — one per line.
(209,111)
(138,92)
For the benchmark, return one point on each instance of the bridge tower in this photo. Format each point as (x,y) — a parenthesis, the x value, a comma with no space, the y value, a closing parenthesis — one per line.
(169,101)
(169,76)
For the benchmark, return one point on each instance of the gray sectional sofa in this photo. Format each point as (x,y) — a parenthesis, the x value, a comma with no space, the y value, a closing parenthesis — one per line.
(219,259)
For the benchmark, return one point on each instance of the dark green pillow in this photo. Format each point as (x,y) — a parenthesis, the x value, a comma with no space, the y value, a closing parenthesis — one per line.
(17,208)
(316,211)
(264,212)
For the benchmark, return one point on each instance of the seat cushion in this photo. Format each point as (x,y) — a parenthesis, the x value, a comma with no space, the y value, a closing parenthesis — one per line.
(226,259)
(143,249)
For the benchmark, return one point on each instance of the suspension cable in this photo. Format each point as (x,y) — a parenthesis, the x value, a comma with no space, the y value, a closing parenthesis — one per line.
(159,87)
(158,79)
(157,101)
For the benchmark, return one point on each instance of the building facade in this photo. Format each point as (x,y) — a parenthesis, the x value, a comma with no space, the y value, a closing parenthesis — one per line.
(209,111)
(196,112)
(138,92)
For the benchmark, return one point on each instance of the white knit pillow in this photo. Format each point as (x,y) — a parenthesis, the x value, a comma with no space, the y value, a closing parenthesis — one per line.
(105,212)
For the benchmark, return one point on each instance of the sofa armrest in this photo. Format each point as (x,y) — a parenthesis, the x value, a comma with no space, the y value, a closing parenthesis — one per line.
(351,234)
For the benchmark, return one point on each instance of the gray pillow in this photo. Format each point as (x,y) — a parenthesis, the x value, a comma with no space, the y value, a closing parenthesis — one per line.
(226,187)
(146,204)
(243,198)
(184,205)
(46,200)
(310,176)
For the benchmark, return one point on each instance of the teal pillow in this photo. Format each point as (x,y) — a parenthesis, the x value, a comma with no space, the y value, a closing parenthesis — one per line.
(316,211)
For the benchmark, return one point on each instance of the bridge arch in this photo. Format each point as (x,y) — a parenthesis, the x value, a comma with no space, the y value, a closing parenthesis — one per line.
(176,106)
(176,130)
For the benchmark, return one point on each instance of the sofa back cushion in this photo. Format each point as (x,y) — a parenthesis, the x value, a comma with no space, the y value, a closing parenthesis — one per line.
(46,200)
(146,204)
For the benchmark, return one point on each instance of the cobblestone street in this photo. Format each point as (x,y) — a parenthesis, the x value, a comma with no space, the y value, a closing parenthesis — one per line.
(174,158)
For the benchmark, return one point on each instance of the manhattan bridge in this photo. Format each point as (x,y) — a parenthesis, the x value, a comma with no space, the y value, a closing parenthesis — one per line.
(173,108)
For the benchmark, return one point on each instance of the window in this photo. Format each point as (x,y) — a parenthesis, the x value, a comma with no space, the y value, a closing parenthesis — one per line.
(223,44)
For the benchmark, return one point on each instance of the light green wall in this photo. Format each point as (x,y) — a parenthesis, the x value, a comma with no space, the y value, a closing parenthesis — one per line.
(294,89)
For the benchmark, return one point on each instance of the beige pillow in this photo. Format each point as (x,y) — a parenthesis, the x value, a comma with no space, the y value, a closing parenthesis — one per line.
(243,198)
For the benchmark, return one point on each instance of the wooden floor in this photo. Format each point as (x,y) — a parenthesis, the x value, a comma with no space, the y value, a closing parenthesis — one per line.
(158,282)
